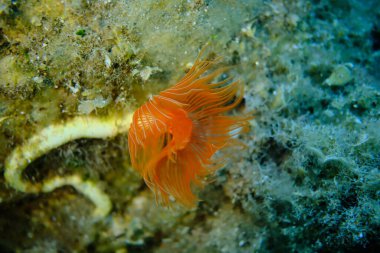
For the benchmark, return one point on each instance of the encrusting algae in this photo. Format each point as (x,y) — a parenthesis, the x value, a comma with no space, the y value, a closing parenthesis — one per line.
(172,138)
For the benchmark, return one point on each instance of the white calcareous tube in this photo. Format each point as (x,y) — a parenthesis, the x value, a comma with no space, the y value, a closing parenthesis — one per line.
(53,136)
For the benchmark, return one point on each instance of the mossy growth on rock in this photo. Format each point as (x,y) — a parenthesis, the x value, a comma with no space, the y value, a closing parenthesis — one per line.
(308,180)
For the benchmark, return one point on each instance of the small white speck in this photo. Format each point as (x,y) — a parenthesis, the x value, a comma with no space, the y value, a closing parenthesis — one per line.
(107,61)
(242,243)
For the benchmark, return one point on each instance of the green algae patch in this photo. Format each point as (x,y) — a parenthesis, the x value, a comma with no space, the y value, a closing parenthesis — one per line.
(15,76)
(81,32)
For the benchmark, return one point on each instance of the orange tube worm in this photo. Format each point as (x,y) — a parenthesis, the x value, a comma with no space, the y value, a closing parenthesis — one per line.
(174,136)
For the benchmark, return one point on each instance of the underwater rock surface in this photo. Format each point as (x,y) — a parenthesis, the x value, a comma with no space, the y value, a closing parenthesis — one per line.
(308,179)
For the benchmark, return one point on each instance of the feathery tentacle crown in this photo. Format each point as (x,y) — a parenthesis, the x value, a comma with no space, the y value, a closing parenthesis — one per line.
(174,135)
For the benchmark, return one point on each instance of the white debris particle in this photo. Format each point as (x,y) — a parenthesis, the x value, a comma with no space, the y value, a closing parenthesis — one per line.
(107,61)
(146,72)
(87,106)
